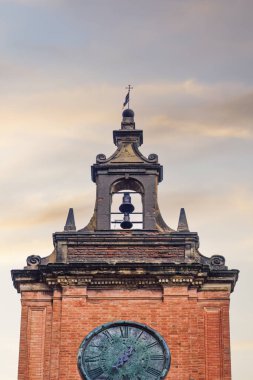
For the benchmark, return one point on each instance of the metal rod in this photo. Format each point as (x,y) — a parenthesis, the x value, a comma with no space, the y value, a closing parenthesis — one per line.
(120,221)
(129,88)
(127,191)
(132,213)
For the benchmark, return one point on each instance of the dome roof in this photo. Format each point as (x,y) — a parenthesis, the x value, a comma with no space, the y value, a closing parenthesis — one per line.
(128,113)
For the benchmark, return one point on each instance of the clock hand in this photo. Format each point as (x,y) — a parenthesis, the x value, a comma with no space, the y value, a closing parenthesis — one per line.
(123,358)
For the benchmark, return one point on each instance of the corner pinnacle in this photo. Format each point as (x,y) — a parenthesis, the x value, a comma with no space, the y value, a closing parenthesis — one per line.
(70,222)
(182,222)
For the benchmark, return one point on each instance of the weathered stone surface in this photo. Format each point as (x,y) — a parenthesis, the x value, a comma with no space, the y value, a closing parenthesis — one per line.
(70,222)
(182,222)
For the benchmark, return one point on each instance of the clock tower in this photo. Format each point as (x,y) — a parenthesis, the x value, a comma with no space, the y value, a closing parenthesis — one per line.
(126,297)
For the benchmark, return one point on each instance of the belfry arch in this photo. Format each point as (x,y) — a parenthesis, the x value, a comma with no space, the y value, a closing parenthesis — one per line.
(132,191)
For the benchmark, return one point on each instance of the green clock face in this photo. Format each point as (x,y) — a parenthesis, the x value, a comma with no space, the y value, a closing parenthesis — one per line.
(123,351)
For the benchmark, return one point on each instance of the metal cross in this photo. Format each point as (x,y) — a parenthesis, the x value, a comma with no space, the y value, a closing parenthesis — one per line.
(129,88)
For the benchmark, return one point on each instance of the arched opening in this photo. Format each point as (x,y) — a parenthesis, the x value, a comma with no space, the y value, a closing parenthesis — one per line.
(126,205)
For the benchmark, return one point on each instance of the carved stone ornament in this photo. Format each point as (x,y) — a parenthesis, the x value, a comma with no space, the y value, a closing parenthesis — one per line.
(100,158)
(33,260)
(153,157)
(217,261)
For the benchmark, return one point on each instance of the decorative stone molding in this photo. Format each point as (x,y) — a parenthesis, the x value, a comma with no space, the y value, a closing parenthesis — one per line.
(124,275)
(100,158)
(217,262)
(33,260)
(153,157)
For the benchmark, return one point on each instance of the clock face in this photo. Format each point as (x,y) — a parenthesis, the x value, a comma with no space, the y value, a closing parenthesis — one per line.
(123,351)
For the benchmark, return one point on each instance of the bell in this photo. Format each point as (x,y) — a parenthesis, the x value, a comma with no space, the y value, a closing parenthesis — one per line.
(126,207)
(126,224)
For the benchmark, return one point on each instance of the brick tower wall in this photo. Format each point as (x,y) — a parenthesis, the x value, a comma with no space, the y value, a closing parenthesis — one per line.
(194,324)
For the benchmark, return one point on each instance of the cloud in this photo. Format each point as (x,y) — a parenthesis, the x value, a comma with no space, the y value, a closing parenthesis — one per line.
(54,109)
(187,107)
(223,209)
(28,222)
(211,111)
(38,209)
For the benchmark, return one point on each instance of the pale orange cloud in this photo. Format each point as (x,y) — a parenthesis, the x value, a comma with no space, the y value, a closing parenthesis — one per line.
(208,110)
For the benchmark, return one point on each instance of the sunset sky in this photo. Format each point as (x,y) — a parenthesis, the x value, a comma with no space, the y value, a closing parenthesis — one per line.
(64,66)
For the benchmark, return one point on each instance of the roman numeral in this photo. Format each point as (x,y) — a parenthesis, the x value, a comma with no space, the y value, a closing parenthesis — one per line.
(157,357)
(124,331)
(92,359)
(153,371)
(96,346)
(108,335)
(95,373)
(139,336)
(155,343)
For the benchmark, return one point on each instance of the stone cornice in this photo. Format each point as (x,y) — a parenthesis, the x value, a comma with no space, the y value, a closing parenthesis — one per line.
(120,275)
(135,237)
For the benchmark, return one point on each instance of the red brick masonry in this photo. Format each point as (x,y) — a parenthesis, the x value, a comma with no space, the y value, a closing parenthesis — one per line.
(195,325)
(168,254)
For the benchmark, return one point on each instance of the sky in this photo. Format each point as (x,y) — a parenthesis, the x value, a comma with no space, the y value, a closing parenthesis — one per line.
(64,66)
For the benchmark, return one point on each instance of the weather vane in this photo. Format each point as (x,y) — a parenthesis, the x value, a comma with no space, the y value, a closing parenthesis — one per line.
(127,99)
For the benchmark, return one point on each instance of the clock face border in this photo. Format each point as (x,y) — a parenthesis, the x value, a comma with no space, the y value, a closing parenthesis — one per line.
(142,326)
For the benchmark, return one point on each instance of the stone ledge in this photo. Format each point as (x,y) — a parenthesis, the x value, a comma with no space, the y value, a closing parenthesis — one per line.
(124,275)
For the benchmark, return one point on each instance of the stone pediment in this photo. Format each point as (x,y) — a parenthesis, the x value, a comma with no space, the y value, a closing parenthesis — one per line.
(127,152)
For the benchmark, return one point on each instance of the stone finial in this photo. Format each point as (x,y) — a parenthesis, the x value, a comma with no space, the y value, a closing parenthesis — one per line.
(70,222)
(182,222)
(128,119)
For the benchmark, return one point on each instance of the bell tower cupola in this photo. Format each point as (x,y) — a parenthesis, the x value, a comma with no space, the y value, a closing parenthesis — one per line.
(119,304)
(129,172)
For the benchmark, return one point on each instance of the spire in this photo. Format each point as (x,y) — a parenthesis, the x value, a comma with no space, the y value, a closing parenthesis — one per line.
(182,222)
(70,222)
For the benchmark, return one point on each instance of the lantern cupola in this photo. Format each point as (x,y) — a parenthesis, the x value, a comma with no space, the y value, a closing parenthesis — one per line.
(129,172)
